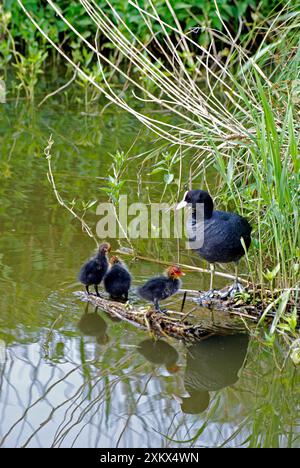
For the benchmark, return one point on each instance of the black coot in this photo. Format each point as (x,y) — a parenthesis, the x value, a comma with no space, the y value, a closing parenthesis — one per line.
(118,279)
(161,287)
(94,270)
(221,235)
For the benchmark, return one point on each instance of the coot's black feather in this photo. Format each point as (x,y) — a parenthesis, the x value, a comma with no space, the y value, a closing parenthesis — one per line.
(159,288)
(94,270)
(222,237)
(222,230)
(118,280)
(216,235)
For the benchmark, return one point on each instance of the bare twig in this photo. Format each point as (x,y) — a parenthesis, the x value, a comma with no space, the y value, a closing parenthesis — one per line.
(59,89)
(84,225)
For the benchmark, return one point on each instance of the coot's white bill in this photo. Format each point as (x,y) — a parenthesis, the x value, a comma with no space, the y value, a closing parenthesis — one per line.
(183,203)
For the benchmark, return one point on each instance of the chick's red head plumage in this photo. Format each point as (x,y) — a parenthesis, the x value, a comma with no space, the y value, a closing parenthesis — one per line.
(175,271)
(114,260)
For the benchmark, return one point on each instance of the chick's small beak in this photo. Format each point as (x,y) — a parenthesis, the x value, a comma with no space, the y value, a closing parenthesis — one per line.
(182,274)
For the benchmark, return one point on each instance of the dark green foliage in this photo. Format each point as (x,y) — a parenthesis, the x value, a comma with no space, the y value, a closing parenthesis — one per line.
(191,14)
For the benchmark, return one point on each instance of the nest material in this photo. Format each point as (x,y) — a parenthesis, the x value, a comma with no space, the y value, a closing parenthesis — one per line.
(184,326)
(253,302)
(212,316)
(170,324)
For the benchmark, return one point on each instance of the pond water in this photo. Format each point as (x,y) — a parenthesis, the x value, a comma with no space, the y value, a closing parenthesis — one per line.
(71,376)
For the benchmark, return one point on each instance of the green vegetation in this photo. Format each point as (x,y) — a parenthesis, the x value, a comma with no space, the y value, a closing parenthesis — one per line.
(227,76)
(23,47)
(147,100)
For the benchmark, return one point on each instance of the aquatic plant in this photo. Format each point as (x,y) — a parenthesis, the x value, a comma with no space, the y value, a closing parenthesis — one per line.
(236,113)
(229,113)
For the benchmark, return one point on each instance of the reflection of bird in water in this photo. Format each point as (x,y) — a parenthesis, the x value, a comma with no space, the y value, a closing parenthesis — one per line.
(93,325)
(159,352)
(211,365)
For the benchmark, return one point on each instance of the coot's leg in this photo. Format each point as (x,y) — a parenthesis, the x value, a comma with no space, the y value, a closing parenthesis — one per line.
(157,307)
(212,274)
(236,287)
(96,289)
(210,293)
(183,302)
(236,269)
(87,289)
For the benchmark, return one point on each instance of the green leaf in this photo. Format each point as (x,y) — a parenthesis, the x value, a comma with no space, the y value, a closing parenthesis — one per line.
(168,178)
(158,169)
(270,275)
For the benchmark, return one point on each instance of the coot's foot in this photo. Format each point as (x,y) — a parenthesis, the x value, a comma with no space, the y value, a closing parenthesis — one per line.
(160,310)
(208,294)
(236,287)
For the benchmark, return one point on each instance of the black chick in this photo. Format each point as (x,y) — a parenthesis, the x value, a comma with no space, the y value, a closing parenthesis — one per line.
(93,271)
(219,239)
(161,287)
(118,279)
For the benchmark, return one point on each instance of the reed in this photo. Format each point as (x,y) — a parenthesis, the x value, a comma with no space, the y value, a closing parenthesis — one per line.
(238,114)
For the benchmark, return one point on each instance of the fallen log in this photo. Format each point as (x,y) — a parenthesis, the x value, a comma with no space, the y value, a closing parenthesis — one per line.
(203,318)
(184,326)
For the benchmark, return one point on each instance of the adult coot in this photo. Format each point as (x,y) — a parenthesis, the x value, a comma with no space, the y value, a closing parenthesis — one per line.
(118,279)
(93,271)
(161,287)
(218,233)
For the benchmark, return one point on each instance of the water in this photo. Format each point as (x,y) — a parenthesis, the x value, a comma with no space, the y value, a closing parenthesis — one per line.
(72,376)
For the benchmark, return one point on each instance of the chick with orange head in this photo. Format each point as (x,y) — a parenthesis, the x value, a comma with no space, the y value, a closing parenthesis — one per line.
(161,287)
